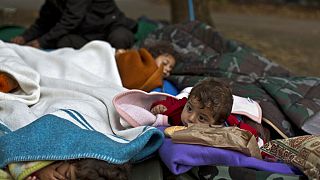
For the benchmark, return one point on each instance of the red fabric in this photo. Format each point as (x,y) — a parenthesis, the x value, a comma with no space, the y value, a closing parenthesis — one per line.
(174,109)
(233,121)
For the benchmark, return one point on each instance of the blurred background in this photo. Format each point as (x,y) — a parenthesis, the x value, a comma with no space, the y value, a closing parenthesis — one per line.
(285,31)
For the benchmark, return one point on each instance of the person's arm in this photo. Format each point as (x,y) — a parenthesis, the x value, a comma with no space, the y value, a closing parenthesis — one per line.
(72,16)
(159,107)
(171,107)
(48,17)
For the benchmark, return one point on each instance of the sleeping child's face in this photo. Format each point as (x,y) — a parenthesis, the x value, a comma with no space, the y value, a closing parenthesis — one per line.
(168,62)
(68,170)
(195,112)
(58,170)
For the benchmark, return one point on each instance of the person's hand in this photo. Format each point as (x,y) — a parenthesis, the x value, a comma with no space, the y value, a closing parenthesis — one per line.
(18,40)
(34,43)
(158,109)
(50,173)
(120,51)
(32,178)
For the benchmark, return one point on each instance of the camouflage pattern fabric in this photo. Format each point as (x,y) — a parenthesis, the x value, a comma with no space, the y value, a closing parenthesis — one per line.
(204,52)
(223,57)
(298,97)
(146,26)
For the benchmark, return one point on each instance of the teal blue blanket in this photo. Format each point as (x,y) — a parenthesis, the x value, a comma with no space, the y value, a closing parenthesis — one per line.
(53,138)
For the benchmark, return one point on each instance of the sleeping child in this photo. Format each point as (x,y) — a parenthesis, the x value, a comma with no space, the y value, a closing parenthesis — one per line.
(89,169)
(146,68)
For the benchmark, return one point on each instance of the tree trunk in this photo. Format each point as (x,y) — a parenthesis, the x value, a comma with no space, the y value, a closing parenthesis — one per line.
(180,11)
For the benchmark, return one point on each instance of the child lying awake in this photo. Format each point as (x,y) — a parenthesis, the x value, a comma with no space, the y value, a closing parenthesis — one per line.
(209,102)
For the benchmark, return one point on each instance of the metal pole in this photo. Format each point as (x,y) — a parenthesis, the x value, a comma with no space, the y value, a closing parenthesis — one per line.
(191,10)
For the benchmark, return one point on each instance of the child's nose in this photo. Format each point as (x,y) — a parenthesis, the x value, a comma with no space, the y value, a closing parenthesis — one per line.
(168,68)
(192,118)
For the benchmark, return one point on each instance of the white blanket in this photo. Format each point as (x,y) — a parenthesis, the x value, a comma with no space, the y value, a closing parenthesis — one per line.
(84,80)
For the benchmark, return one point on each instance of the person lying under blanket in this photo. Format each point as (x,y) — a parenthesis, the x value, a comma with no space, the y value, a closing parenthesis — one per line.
(66,108)
(83,169)
(151,65)
(146,68)
(80,169)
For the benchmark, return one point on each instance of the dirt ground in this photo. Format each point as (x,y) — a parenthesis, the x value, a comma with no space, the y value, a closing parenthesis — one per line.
(288,37)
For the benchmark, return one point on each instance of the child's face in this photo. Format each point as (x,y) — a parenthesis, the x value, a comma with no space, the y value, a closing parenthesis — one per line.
(193,112)
(168,62)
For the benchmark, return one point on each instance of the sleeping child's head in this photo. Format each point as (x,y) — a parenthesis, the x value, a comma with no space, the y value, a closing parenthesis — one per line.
(164,54)
(89,169)
(209,102)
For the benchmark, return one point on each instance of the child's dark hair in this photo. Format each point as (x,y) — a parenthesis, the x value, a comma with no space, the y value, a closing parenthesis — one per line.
(161,47)
(214,95)
(93,169)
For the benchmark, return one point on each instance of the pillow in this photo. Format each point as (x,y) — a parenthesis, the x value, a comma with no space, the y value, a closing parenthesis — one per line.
(301,151)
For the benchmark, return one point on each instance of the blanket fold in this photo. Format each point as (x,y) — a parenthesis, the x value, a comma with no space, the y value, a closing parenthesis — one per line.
(27,78)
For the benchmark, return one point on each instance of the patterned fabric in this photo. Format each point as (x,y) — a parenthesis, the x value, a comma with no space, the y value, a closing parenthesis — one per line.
(302,152)
(204,52)
(298,97)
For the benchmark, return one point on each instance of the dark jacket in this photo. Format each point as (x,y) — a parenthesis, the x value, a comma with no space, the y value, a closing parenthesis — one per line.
(93,19)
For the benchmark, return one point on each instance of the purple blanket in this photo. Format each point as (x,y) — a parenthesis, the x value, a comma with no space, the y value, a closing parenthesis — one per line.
(180,158)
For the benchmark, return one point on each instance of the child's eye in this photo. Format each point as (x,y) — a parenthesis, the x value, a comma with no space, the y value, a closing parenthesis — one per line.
(165,62)
(189,109)
(202,119)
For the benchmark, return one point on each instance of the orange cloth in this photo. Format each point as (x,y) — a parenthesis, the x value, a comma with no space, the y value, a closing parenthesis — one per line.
(7,83)
(138,70)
